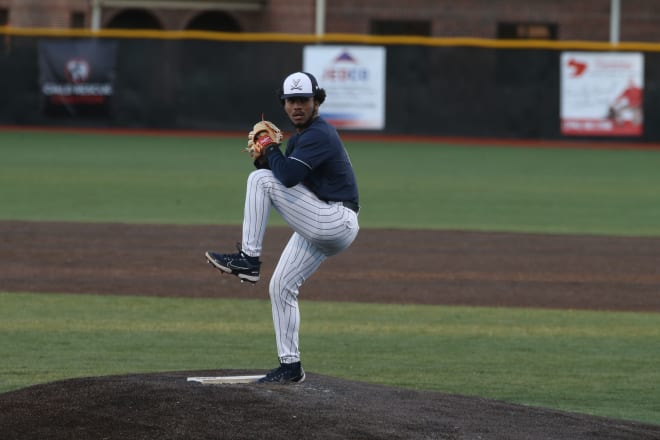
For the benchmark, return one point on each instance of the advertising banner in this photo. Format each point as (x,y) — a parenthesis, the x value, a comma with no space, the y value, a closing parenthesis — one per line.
(76,76)
(354,79)
(602,94)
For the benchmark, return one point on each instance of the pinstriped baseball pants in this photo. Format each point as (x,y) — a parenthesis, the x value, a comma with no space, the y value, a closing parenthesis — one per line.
(320,230)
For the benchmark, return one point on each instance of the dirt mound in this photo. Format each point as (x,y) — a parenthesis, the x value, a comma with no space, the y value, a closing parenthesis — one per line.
(166,406)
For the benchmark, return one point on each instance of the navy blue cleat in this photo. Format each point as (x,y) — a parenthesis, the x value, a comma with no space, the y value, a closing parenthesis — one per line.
(285,373)
(246,268)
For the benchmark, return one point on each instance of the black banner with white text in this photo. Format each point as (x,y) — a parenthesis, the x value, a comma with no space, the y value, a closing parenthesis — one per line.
(76,77)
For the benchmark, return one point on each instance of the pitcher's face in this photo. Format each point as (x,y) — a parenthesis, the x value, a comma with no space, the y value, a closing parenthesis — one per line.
(301,111)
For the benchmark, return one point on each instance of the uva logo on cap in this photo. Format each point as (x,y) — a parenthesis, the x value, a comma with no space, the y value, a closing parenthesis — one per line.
(299,84)
(296,84)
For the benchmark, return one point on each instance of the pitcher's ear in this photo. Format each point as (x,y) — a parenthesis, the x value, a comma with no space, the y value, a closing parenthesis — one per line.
(319,95)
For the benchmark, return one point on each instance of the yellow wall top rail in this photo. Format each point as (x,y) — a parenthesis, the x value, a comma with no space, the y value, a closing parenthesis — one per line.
(333,38)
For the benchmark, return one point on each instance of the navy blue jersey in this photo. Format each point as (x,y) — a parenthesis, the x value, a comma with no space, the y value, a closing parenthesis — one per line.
(317,158)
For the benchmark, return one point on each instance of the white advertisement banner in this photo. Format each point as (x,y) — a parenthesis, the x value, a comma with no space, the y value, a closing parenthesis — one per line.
(354,80)
(602,93)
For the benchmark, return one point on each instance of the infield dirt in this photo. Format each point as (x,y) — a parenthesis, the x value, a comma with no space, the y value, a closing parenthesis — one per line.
(386,266)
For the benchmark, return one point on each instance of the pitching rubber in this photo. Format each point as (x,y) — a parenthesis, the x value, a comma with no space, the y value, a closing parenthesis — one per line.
(219,380)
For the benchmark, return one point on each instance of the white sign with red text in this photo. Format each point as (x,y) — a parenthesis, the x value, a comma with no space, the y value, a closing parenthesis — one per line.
(602,93)
(354,80)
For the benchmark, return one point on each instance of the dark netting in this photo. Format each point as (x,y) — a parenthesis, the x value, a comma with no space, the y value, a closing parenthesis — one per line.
(222,85)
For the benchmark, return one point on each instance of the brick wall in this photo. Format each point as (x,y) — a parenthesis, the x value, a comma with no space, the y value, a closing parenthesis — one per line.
(292,16)
(37,13)
(576,19)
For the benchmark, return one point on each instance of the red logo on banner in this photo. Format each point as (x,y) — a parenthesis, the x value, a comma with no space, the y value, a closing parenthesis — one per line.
(578,67)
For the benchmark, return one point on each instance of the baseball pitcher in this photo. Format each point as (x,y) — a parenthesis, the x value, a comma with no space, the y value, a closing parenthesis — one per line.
(313,187)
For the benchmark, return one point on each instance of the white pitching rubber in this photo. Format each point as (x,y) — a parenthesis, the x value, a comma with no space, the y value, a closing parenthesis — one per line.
(225,379)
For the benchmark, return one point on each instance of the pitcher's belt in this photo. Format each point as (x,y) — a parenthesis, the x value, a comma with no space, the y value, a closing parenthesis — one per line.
(348,204)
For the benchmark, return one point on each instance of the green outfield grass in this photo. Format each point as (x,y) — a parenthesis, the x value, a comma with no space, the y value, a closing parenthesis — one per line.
(597,363)
(193,180)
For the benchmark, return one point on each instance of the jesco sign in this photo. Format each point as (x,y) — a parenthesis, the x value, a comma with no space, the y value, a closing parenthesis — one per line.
(354,79)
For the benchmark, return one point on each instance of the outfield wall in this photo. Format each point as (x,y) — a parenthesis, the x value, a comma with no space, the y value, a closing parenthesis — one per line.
(211,81)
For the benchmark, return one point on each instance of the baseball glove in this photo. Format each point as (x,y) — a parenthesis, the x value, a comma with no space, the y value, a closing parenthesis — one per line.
(263,135)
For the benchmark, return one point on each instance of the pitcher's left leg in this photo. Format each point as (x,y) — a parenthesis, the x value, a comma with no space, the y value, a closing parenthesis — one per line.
(298,262)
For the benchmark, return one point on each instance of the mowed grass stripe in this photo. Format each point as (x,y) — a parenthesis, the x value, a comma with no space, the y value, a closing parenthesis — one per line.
(201,180)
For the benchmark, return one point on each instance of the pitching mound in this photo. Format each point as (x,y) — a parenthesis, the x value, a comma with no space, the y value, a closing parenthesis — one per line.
(167,406)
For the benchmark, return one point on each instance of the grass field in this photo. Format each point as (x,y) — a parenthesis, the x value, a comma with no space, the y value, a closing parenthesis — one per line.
(57,176)
(598,363)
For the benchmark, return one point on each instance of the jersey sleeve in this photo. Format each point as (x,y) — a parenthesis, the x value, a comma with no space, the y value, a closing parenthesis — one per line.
(287,170)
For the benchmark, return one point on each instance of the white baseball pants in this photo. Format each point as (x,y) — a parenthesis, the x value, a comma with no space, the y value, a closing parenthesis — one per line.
(321,229)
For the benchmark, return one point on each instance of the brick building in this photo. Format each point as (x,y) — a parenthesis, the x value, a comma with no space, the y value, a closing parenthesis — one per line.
(587,20)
